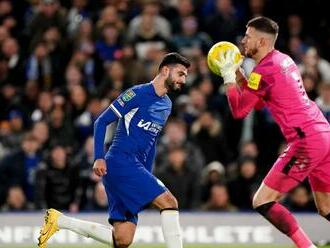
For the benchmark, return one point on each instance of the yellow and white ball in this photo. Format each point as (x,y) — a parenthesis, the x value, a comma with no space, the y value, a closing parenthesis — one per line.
(217,50)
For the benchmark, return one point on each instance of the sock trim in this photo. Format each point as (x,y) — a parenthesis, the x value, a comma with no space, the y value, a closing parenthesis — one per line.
(264,208)
(171,209)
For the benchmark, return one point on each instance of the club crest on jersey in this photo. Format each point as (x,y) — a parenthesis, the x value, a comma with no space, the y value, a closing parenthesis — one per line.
(128,95)
(254,81)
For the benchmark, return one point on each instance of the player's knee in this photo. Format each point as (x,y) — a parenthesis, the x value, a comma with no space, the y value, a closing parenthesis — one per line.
(170,201)
(324,211)
(173,203)
(122,240)
(257,201)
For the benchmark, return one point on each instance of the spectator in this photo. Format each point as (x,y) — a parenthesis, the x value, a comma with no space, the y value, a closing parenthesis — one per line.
(149,16)
(183,8)
(16,200)
(315,65)
(180,179)
(50,14)
(207,133)
(39,67)
(189,41)
(57,183)
(61,132)
(323,100)
(18,169)
(84,162)
(299,200)
(175,135)
(219,200)
(40,130)
(114,81)
(10,50)
(13,138)
(242,188)
(130,62)
(84,123)
(213,173)
(225,20)
(44,106)
(110,16)
(108,48)
(76,14)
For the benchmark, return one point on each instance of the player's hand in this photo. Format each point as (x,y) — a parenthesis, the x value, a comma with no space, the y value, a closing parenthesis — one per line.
(240,77)
(228,66)
(100,167)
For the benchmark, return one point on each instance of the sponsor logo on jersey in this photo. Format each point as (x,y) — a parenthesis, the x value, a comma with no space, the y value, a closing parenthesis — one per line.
(150,126)
(254,80)
(128,95)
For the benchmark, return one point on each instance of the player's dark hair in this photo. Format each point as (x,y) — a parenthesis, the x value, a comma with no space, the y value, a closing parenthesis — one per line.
(264,24)
(172,59)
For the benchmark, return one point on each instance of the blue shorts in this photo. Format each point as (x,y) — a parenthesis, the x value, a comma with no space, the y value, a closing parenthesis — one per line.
(130,187)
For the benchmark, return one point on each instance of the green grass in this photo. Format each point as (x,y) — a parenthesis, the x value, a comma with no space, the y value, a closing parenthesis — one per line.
(162,246)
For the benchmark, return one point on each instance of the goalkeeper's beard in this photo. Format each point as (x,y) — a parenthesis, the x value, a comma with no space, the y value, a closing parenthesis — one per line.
(250,53)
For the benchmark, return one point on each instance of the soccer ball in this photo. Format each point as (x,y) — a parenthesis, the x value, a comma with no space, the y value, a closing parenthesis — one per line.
(215,52)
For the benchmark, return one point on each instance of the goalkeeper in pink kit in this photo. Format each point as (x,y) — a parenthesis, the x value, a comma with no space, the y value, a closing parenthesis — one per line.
(276,83)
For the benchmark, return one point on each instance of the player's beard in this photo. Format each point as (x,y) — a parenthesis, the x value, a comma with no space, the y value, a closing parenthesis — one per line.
(171,85)
(251,52)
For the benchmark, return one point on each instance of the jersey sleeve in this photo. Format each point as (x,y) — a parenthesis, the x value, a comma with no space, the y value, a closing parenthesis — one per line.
(257,83)
(118,108)
(241,101)
(100,126)
(125,102)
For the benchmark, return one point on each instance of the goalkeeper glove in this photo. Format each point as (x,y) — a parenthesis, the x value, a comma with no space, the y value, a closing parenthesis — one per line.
(228,66)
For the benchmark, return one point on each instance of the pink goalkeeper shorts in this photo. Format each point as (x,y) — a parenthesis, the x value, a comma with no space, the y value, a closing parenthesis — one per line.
(305,157)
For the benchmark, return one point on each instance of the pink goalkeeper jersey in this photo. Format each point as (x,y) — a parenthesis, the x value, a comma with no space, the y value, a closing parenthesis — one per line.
(277,81)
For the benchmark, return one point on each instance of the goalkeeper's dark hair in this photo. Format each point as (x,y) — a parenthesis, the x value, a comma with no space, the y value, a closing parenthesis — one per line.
(173,59)
(264,24)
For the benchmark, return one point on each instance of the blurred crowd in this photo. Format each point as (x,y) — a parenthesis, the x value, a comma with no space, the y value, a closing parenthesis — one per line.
(63,62)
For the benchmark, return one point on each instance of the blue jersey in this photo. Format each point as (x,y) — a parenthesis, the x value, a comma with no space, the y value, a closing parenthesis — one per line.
(129,184)
(142,115)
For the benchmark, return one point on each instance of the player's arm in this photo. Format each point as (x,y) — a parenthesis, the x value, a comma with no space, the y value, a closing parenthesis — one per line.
(100,126)
(240,77)
(122,105)
(241,101)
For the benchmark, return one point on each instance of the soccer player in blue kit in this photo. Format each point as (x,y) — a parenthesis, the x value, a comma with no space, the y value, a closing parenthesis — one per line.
(126,168)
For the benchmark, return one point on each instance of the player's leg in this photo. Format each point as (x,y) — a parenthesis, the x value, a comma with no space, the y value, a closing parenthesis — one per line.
(319,180)
(169,213)
(266,203)
(285,174)
(322,202)
(135,187)
(123,234)
(55,221)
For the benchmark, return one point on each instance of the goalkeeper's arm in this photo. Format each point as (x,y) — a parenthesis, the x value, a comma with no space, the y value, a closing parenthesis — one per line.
(241,101)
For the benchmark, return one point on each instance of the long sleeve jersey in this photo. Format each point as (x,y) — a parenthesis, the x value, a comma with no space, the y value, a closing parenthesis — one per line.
(142,114)
(276,81)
